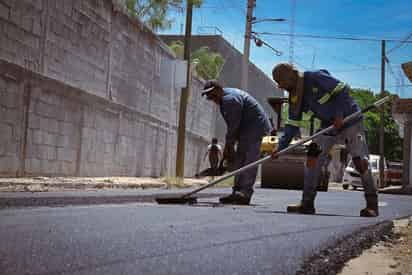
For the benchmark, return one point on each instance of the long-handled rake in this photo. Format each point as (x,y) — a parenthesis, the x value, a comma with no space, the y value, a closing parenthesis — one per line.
(187,197)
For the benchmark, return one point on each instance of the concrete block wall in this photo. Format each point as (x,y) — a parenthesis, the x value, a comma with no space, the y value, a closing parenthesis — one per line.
(11,119)
(97,53)
(52,129)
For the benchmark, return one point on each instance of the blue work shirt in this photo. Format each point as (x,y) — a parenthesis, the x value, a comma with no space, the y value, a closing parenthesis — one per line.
(326,98)
(244,116)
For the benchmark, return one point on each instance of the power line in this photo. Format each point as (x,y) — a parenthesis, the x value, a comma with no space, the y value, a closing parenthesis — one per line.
(315,36)
(341,59)
(401,43)
(391,69)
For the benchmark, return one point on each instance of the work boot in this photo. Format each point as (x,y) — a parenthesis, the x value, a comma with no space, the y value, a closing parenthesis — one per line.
(236,197)
(372,209)
(304,207)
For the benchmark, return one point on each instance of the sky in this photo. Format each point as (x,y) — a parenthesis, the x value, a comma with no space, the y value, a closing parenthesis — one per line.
(357,63)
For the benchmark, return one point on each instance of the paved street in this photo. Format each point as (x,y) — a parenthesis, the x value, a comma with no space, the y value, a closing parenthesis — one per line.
(146,238)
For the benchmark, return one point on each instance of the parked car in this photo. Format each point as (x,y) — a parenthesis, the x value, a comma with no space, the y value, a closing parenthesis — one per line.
(395,173)
(352,178)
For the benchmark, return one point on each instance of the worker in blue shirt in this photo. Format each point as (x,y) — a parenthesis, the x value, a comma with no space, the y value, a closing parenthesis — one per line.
(246,124)
(328,99)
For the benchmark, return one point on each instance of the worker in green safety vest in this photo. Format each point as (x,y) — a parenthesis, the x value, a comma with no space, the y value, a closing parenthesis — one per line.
(328,99)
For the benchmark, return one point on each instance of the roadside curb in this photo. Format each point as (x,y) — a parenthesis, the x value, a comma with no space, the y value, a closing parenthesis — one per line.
(50,184)
(331,260)
(397,191)
(90,199)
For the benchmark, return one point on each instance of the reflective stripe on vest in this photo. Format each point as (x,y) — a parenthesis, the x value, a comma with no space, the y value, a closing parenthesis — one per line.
(296,123)
(339,88)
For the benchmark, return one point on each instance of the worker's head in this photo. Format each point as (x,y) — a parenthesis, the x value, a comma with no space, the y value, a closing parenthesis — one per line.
(213,91)
(289,78)
(214,140)
(286,76)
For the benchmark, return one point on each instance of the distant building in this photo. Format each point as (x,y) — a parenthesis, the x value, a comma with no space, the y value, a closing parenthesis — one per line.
(260,85)
(402,112)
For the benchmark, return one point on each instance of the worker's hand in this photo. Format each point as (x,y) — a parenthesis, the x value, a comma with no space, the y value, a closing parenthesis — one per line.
(311,162)
(338,123)
(228,152)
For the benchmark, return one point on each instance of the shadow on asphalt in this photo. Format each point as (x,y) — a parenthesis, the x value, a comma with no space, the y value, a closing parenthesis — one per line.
(218,204)
(317,214)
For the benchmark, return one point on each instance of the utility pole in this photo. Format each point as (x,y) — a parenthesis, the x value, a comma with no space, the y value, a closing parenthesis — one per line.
(246,47)
(382,129)
(181,135)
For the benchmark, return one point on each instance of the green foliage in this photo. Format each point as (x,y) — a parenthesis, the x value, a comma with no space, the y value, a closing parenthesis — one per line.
(372,121)
(209,64)
(155,12)
(178,48)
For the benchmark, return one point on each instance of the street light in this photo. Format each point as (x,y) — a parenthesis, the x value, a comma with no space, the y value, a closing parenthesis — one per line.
(259,43)
(250,20)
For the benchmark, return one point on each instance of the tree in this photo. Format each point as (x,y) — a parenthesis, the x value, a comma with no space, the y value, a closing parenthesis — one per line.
(372,121)
(178,48)
(155,12)
(209,64)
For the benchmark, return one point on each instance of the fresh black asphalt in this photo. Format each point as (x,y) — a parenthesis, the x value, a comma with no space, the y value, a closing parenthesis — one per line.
(146,238)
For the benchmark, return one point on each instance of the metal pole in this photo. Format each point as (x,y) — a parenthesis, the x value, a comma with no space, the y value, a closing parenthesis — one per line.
(246,47)
(382,110)
(180,154)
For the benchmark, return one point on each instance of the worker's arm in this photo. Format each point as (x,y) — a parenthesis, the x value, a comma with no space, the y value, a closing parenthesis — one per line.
(290,132)
(292,125)
(232,114)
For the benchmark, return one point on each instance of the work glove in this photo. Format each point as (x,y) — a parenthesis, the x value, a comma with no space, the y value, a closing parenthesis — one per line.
(338,122)
(314,150)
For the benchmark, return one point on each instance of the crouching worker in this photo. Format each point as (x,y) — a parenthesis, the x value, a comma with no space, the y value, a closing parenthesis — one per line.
(246,124)
(328,99)
(214,151)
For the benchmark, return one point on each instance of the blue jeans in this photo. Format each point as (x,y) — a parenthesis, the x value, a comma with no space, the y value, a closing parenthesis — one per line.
(247,151)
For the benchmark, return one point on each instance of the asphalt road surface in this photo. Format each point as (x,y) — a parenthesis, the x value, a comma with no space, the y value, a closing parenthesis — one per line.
(146,238)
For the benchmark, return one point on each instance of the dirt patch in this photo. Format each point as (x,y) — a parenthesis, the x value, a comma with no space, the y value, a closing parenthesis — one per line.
(48,184)
(392,256)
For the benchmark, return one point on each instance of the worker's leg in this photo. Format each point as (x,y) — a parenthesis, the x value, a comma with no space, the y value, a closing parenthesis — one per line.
(214,160)
(314,164)
(250,152)
(247,152)
(357,146)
